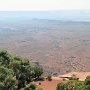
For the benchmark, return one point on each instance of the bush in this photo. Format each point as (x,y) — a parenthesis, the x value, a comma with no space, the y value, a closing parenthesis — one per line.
(75,85)
(39,88)
(87,82)
(71,85)
(38,72)
(61,86)
(7,82)
(74,77)
(49,78)
(16,72)
(31,86)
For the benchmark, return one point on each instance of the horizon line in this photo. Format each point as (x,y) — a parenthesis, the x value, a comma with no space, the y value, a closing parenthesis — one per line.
(44,10)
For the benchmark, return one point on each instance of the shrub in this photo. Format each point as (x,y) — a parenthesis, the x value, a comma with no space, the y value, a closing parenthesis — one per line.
(31,86)
(39,88)
(49,78)
(61,86)
(87,82)
(71,85)
(38,72)
(7,82)
(16,72)
(75,85)
(74,77)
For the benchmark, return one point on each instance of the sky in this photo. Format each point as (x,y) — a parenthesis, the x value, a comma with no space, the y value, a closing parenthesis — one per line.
(42,5)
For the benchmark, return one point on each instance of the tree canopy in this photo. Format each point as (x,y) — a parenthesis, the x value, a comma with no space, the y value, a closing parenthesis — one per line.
(17,72)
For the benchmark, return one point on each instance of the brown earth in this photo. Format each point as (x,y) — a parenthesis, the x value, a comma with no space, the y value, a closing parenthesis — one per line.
(59,48)
(81,75)
(50,85)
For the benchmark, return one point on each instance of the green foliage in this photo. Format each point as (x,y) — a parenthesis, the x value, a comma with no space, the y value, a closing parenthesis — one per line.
(5,58)
(61,86)
(80,87)
(31,86)
(49,78)
(10,83)
(71,85)
(7,81)
(38,71)
(39,88)
(1,86)
(74,77)
(76,85)
(87,82)
(23,71)
(4,72)
(16,72)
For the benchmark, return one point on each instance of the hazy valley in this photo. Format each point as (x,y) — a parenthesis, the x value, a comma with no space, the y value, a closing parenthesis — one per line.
(58,46)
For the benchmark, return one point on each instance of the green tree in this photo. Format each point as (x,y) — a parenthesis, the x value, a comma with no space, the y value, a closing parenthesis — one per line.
(49,77)
(31,86)
(87,82)
(23,71)
(38,71)
(5,58)
(7,81)
(76,85)
(61,86)
(71,85)
(16,72)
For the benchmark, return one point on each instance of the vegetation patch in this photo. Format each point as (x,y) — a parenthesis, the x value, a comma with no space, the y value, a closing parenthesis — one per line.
(17,73)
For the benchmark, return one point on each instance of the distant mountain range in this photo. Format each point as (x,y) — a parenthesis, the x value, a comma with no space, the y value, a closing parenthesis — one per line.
(69,15)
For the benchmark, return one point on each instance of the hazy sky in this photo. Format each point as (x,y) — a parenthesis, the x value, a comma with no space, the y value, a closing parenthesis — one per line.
(13,5)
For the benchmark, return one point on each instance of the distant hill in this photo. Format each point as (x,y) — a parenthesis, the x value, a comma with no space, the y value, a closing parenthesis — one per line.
(69,15)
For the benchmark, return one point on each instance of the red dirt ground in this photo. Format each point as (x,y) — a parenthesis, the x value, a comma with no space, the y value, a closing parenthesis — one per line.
(49,85)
